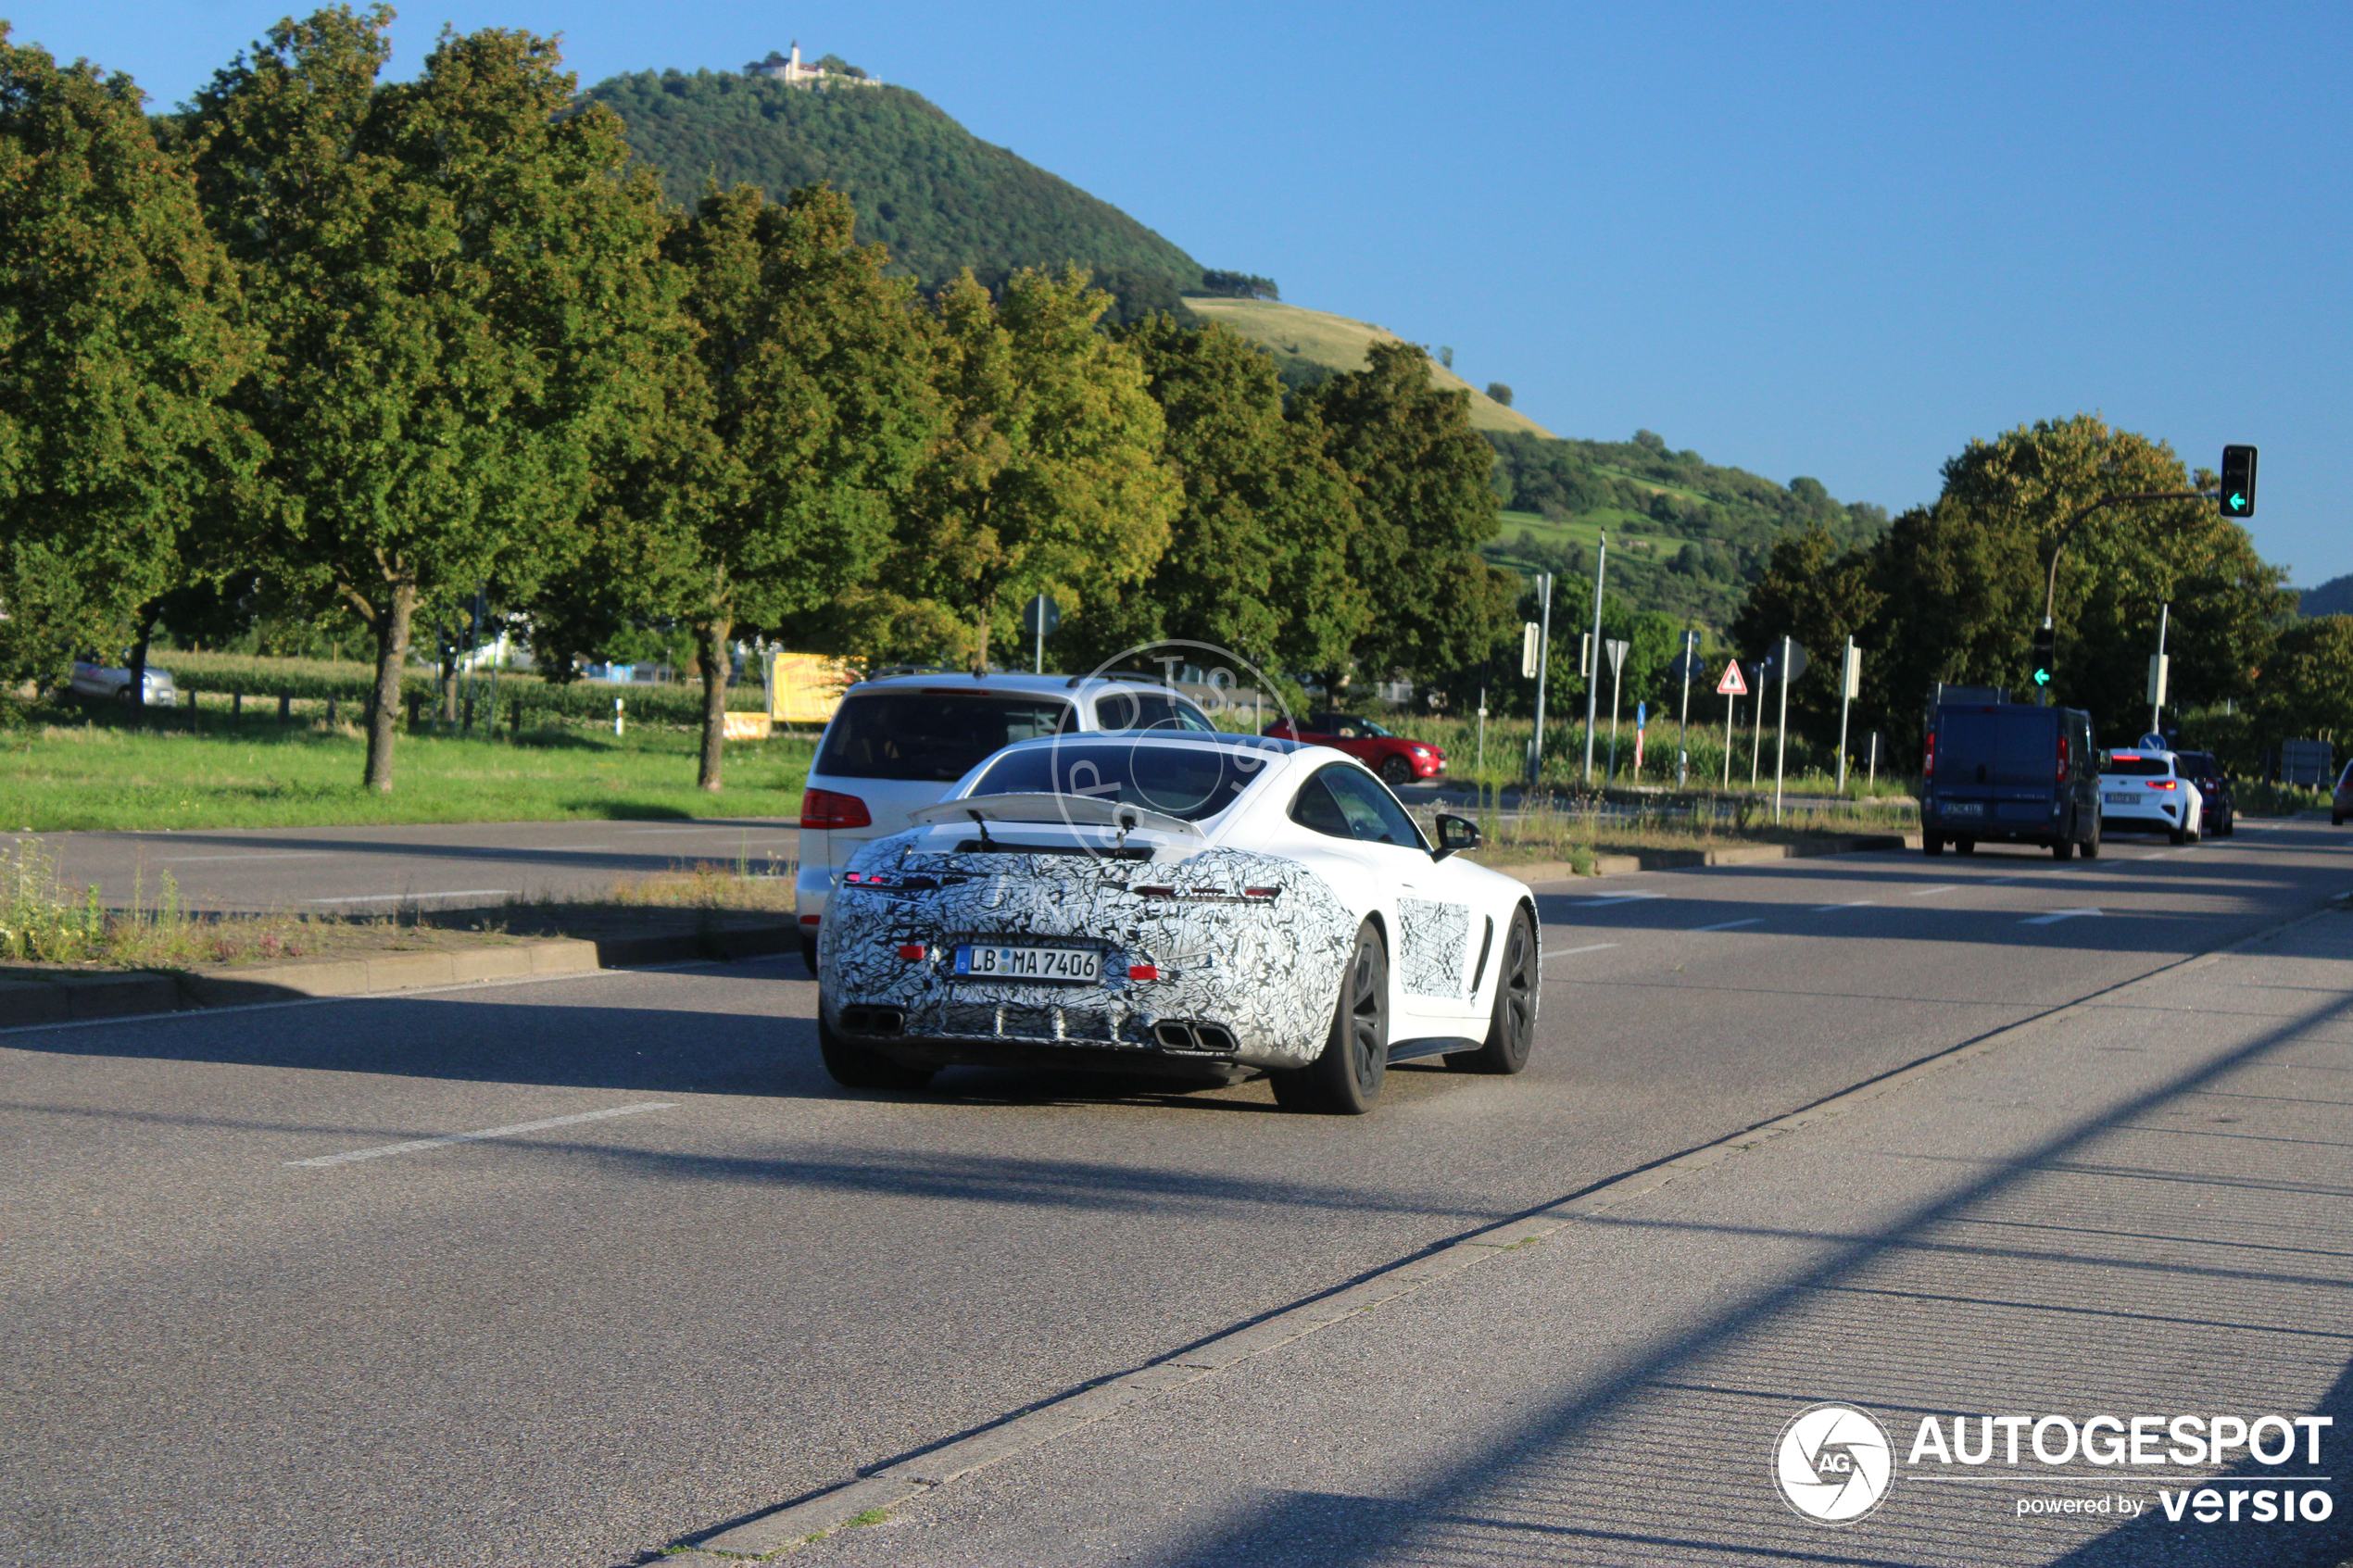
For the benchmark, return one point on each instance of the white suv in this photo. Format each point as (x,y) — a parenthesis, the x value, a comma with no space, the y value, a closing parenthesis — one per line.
(903,742)
(2144,792)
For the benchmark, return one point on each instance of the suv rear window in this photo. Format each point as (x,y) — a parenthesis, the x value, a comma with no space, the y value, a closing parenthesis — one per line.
(1187,782)
(936,736)
(2195,765)
(2140,767)
(1144,711)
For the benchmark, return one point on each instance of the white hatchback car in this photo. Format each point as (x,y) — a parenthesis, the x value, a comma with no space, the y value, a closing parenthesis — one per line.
(903,742)
(2144,792)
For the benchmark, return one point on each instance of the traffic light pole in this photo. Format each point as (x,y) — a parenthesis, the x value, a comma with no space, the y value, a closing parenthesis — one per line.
(2058,547)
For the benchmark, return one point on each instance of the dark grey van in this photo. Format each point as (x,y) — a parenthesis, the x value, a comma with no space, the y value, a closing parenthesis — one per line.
(2010,772)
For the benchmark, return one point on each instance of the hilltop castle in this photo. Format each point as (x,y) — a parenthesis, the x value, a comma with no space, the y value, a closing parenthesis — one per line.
(831,71)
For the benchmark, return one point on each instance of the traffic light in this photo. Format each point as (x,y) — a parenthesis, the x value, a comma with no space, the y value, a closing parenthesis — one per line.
(2046,655)
(2238,481)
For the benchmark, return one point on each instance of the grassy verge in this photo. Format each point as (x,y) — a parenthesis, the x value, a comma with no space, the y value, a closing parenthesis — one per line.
(1576,831)
(95,772)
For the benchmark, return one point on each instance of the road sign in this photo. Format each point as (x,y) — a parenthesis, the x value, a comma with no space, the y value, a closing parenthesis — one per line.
(1768,667)
(2238,481)
(2159,664)
(1616,656)
(1731,684)
(1850,685)
(1641,711)
(1585,655)
(1527,634)
(1040,616)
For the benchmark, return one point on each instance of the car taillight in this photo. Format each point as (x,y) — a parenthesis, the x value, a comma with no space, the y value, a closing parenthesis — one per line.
(1928,764)
(913,952)
(2062,760)
(823,808)
(2163,784)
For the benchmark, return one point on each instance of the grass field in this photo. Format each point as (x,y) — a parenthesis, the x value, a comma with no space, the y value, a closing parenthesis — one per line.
(1625,530)
(1320,338)
(256,773)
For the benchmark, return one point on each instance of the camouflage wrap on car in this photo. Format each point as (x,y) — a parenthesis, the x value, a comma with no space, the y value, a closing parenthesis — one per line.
(1266,969)
(1432,940)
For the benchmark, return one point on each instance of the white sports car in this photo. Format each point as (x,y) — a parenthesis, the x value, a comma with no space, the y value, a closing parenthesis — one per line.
(1204,906)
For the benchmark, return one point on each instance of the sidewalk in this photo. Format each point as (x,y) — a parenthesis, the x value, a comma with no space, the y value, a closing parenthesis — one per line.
(2142,1205)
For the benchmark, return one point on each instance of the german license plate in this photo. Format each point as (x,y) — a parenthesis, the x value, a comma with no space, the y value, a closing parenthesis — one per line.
(2121,799)
(1964,808)
(1028,963)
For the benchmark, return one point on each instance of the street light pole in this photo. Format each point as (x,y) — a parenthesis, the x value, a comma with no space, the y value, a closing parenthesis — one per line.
(1593,677)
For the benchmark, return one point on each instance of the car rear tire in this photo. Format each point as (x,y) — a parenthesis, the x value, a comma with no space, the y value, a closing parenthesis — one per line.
(1964,846)
(862,1067)
(1346,1078)
(2179,836)
(2337,818)
(809,955)
(1931,843)
(1396,772)
(2092,845)
(2062,849)
(1511,1025)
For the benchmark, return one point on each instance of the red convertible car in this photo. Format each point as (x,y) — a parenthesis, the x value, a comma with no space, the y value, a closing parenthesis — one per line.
(1399,762)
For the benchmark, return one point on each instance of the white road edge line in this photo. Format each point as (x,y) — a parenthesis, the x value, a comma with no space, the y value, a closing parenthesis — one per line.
(383,1149)
(1616,898)
(1592,947)
(1922,893)
(1731,924)
(391,898)
(264,855)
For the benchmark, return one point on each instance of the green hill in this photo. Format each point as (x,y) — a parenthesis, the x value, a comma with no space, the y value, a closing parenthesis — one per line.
(939,196)
(1686,536)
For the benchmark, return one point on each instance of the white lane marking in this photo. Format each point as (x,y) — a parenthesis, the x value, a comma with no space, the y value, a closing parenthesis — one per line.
(1924,891)
(265,854)
(383,1149)
(1855,903)
(2159,856)
(1731,924)
(1616,898)
(2022,876)
(2055,916)
(391,898)
(1592,947)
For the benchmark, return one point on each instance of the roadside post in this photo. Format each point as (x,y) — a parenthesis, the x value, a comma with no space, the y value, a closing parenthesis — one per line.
(1781,727)
(1872,781)
(1543,673)
(1765,673)
(1592,693)
(616,716)
(1849,686)
(1482,727)
(1641,711)
(1043,616)
(1685,666)
(2157,668)
(1731,689)
(1617,673)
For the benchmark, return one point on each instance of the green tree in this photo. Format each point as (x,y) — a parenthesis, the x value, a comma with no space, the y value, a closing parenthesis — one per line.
(798,417)
(1819,595)
(1257,559)
(1048,474)
(460,289)
(1424,507)
(116,341)
(2306,693)
(1498,393)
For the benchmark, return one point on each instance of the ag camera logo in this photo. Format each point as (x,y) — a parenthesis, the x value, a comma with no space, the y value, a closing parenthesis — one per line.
(1833,1463)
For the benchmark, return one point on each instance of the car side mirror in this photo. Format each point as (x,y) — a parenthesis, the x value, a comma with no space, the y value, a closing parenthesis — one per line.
(1454,834)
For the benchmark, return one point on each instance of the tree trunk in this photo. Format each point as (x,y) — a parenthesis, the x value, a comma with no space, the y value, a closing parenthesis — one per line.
(711,652)
(148,615)
(448,678)
(392,654)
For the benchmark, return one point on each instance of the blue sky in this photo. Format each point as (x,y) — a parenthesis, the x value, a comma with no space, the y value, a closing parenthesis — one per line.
(1825,239)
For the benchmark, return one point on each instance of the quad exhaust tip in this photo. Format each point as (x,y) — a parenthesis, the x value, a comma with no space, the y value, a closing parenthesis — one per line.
(1180,1035)
(873,1020)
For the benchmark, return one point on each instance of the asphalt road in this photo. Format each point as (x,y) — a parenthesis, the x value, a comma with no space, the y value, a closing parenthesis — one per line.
(355,869)
(584,1342)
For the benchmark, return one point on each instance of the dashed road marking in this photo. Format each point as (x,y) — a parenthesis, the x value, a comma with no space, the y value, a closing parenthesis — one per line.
(1590,947)
(1616,898)
(1731,924)
(1851,904)
(1924,891)
(2055,916)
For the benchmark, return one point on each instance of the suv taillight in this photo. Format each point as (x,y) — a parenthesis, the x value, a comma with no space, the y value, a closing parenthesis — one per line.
(823,808)
(2062,760)
(1928,765)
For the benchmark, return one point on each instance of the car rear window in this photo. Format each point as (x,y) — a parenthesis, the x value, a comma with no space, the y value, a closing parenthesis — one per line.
(2140,767)
(1186,782)
(937,736)
(2195,765)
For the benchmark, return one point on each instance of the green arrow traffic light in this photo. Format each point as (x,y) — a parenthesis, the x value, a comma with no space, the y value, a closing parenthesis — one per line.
(2238,503)
(2042,677)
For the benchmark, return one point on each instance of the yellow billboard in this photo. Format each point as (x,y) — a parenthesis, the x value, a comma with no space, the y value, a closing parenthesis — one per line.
(805,688)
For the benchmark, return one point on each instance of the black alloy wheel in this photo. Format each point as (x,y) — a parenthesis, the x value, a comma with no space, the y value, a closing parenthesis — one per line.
(1346,1078)
(1396,772)
(1931,843)
(1511,1027)
(862,1067)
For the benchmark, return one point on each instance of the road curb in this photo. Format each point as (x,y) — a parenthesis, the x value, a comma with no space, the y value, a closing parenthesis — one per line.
(1683,860)
(86,997)
(890,1485)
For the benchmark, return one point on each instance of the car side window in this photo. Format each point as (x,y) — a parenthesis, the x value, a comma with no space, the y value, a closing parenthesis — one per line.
(1315,811)
(1373,813)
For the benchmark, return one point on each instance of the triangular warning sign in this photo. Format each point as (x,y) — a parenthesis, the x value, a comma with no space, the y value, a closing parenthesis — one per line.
(1731,684)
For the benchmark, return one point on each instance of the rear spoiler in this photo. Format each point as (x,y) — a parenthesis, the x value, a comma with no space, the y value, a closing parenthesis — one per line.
(1079,810)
